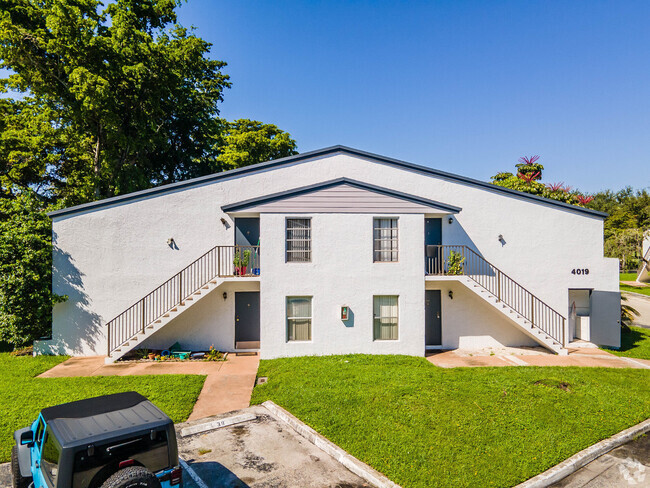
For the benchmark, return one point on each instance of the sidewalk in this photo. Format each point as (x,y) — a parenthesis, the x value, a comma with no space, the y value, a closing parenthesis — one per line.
(510,356)
(228,386)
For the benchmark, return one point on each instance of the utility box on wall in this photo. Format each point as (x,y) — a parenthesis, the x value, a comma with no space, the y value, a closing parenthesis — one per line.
(345,312)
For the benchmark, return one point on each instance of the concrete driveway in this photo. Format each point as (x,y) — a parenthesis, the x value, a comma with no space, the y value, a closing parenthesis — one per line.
(642,304)
(263,452)
(628,465)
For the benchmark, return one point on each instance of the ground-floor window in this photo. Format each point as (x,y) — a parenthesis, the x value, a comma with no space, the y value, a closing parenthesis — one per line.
(299,318)
(385,317)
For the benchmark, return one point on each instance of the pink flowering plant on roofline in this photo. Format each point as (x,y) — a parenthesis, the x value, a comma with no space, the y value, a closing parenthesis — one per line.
(528,179)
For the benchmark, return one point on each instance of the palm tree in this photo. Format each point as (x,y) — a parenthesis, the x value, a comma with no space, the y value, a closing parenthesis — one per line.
(628,313)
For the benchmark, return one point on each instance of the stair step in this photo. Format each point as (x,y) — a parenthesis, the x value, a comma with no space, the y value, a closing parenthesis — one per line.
(149,326)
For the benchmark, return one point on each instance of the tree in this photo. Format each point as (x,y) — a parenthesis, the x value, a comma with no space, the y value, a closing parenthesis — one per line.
(110,99)
(129,92)
(244,142)
(26,298)
(528,180)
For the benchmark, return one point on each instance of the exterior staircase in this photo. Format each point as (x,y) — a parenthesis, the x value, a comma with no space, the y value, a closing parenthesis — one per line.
(525,310)
(182,291)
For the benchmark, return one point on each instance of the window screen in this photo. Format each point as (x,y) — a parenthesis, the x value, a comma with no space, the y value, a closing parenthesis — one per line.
(299,318)
(385,240)
(298,240)
(385,317)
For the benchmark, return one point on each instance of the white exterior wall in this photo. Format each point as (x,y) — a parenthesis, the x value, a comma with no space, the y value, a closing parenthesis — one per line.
(342,272)
(107,258)
(208,323)
(468,322)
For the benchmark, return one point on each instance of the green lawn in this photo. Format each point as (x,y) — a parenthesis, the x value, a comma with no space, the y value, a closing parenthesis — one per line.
(23,395)
(627,276)
(636,289)
(425,426)
(634,344)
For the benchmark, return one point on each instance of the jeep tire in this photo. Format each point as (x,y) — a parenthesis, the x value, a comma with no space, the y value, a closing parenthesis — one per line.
(17,480)
(132,477)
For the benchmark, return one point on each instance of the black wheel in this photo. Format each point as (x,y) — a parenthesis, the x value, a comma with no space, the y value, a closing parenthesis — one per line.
(132,477)
(18,481)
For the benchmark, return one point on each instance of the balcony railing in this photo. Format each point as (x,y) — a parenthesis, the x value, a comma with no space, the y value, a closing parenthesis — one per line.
(461,260)
(218,262)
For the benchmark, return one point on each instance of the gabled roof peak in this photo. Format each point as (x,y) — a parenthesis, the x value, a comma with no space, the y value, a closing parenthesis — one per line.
(234,173)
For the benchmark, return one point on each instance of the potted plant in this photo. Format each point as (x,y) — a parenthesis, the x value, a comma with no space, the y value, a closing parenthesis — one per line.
(241,261)
(455,263)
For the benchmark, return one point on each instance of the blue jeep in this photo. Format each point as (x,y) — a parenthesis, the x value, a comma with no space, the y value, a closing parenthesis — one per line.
(112,441)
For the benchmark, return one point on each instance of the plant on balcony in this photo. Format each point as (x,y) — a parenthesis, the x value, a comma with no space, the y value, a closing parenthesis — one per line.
(455,264)
(241,261)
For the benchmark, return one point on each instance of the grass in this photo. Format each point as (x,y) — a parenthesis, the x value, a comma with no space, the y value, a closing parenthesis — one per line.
(634,344)
(23,395)
(645,290)
(425,426)
(627,276)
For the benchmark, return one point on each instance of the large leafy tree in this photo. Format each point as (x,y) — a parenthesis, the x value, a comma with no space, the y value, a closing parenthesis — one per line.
(101,99)
(135,93)
(25,269)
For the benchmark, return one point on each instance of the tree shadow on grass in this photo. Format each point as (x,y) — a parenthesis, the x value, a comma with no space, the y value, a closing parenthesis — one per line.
(632,339)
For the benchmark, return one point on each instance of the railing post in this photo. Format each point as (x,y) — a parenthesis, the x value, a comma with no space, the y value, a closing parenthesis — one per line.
(498,284)
(564,344)
(180,287)
(532,309)
(219,261)
(142,306)
(108,340)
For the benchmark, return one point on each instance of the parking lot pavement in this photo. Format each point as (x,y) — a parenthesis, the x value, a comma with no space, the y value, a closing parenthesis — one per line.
(625,466)
(259,453)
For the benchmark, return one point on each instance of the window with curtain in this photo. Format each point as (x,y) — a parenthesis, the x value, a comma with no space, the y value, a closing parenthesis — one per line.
(385,318)
(298,240)
(385,240)
(299,318)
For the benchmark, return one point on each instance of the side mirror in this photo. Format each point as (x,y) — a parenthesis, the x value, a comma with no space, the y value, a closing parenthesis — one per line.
(27,438)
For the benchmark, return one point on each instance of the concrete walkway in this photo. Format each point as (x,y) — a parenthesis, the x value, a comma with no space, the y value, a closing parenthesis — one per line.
(510,356)
(228,386)
(642,305)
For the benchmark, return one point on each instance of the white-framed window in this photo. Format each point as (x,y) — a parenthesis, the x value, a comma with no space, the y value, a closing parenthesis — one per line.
(298,235)
(299,318)
(385,315)
(385,239)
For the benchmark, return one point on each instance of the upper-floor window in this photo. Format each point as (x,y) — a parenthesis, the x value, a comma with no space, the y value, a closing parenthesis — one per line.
(385,239)
(298,240)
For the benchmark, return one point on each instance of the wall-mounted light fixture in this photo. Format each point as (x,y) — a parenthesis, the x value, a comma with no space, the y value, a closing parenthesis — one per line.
(223,221)
(225,295)
(451,220)
(451,295)
(501,240)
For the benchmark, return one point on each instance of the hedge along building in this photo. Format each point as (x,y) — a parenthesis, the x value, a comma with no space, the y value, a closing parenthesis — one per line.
(329,252)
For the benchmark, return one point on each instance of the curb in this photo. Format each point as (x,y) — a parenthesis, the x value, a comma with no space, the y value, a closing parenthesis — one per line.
(369,474)
(584,457)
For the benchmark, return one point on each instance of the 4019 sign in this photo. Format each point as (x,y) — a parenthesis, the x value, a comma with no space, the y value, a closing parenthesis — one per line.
(580,271)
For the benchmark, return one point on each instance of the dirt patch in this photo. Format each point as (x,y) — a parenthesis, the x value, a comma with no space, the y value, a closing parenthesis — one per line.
(561,385)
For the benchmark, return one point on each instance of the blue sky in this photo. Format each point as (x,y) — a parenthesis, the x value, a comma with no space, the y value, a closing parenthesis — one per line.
(462,86)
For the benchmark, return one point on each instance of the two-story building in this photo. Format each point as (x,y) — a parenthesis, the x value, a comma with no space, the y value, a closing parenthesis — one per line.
(329,252)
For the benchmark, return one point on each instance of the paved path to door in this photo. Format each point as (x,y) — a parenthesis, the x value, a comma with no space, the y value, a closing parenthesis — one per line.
(510,356)
(228,386)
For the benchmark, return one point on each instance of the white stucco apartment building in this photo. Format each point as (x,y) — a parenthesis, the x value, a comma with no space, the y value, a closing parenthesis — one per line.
(330,252)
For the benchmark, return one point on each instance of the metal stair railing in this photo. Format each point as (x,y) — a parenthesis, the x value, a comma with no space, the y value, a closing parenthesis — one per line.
(218,262)
(461,260)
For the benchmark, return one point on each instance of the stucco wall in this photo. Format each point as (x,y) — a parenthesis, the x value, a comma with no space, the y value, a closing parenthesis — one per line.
(208,323)
(469,322)
(107,258)
(342,272)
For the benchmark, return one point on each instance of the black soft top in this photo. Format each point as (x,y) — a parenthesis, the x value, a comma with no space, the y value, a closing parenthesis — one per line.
(103,418)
